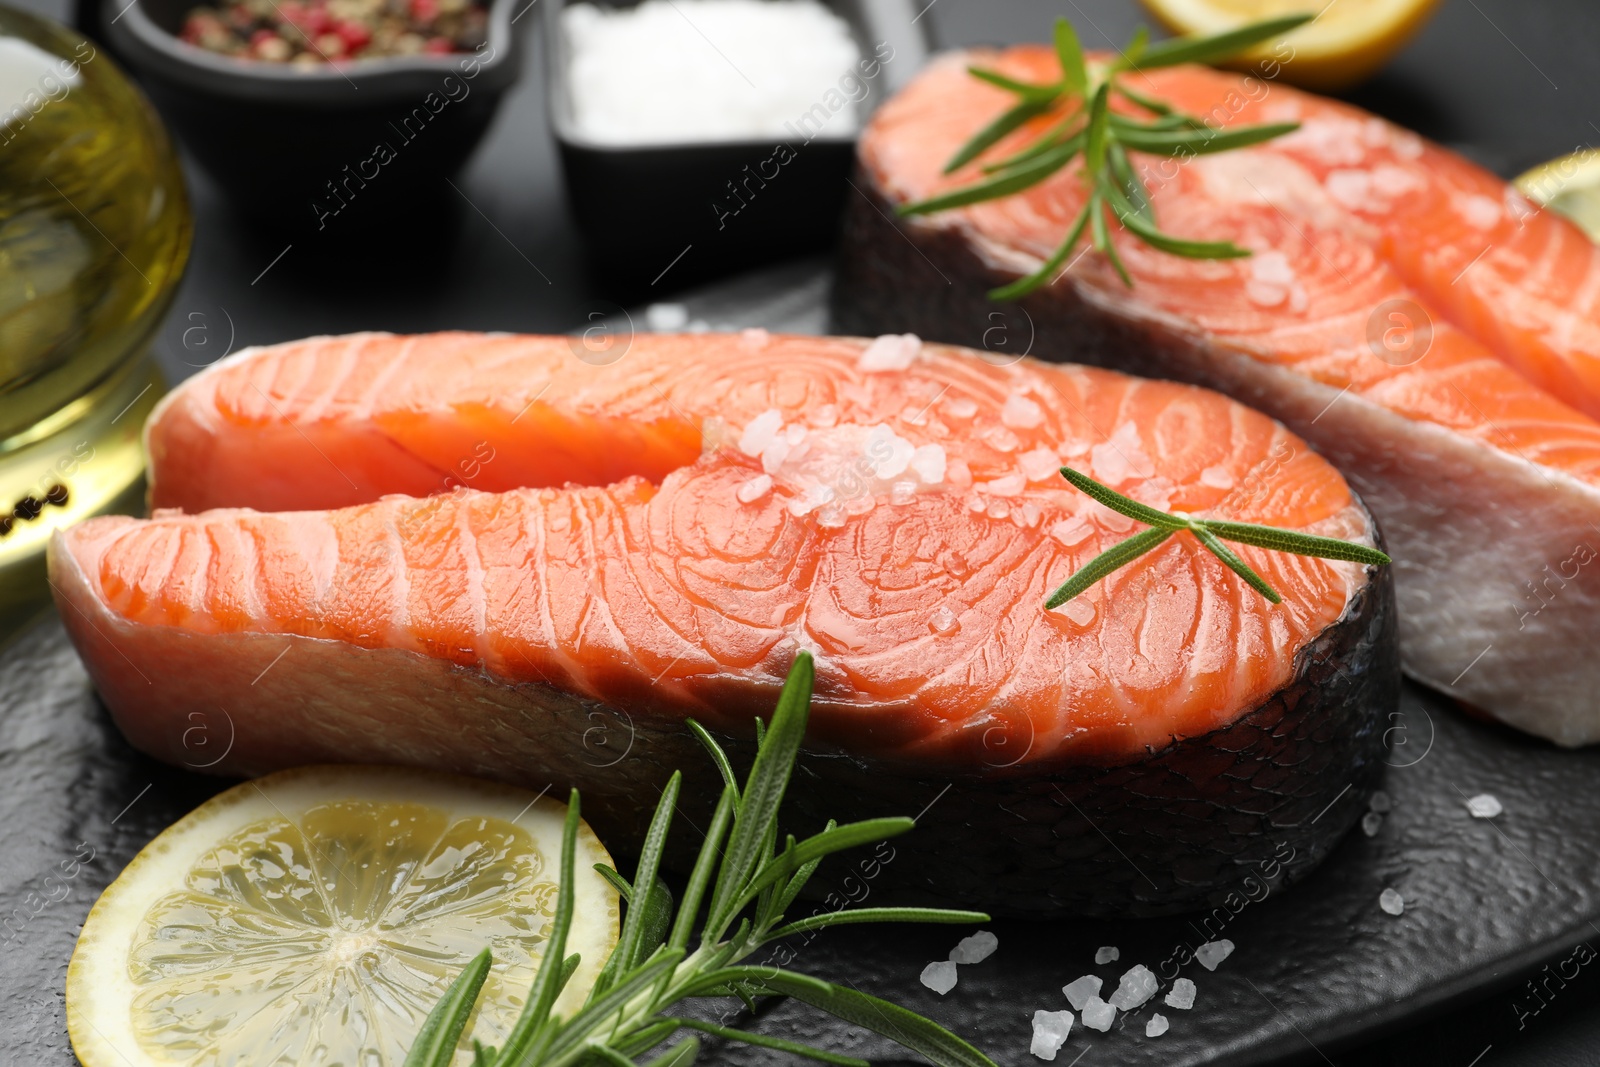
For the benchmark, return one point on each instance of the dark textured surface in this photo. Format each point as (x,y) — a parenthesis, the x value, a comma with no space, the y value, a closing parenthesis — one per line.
(1315,966)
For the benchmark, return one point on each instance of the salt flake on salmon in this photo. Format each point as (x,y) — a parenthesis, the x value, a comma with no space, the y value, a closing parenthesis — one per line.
(658,538)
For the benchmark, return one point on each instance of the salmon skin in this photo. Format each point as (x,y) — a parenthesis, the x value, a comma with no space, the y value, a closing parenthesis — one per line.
(656,539)
(1406,312)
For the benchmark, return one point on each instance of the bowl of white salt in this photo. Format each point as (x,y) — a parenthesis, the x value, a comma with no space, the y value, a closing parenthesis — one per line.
(700,137)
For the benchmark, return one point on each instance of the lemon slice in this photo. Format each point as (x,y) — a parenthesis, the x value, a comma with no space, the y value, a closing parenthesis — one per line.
(1570,186)
(316,916)
(1347,42)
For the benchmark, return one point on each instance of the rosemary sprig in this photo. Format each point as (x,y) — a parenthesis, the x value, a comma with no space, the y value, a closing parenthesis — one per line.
(627,1014)
(1209,532)
(1103,137)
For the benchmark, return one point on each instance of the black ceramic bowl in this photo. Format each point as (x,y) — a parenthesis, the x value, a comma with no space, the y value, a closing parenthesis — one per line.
(346,145)
(682,212)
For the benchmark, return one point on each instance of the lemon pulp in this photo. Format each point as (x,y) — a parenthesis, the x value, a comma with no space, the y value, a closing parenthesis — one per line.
(316,917)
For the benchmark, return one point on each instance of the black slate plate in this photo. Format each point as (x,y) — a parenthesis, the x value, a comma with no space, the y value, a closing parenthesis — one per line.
(1317,966)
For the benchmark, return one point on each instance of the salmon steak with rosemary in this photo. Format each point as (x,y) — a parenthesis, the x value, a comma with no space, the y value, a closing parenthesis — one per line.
(485,554)
(1406,312)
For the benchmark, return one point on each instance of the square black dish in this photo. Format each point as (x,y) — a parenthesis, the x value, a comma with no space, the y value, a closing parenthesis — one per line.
(708,208)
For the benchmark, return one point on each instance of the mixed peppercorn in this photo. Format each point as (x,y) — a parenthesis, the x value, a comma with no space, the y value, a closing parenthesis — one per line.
(314,32)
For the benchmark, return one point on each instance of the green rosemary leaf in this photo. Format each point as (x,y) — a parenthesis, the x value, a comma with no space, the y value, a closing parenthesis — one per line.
(1149,103)
(619,883)
(750,977)
(763,793)
(1102,241)
(778,1043)
(646,1037)
(1235,564)
(1070,53)
(683,1054)
(1055,137)
(1178,246)
(1045,274)
(1126,505)
(1009,120)
(1133,189)
(528,1035)
(1200,142)
(825,843)
(1173,120)
(700,876)
(630,943)
(482,1055)
(1301,544)
(1219,46)
(611,1056)
(1094,149)
(876,915)
(1013,180)
(719,757)
(569,967)
(905,1028)
(435,1045)
(572,1032)
(1012,85)
(1118,555)
(798,881)
(1133,51)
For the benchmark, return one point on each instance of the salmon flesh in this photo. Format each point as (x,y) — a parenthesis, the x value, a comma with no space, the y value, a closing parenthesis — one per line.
(1423,326)
(484,554)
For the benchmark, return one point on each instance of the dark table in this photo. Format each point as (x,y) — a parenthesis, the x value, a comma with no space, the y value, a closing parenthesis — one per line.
(1509,83)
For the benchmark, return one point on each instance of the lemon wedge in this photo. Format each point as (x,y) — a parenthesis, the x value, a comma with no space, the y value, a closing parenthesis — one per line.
(1569,186)
(317,915)
(1346,43)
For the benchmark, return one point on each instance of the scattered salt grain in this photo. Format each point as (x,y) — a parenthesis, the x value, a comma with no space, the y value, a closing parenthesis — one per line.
(928,464)
(887,452)
(1107,954)
(1071,531)
(1050,1030)
(824,416)
(903,492)
(940,977)
(1484,806)
(830,516)
(1392,902)
(981,945)
(665,318)
(1079,611)
(1217,478)
(1380,803)
(957,472)
(761,432)
(1156,1026)
(961,407)
(1021,413)
(1480,212)
(944,623)
(892,351)
(755,489)
(999,509)
(1181,995)
(1082,991)
(1039,464)
(1371,823)
(1138,985)
(1001,439)
(1212,953)
(1098,1015)
(1006,485)
(754,337)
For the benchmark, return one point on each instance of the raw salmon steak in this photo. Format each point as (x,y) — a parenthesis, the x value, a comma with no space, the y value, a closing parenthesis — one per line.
(484,554)
(1409,314)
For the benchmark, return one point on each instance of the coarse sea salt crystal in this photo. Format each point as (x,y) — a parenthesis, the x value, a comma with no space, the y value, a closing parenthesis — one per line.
(902,492)
(1006,485)
(830,516)
(887,452)
(892,351)
(1391,902)
(1480,212)
(1137,986)
(958,473)
(1021,413)
(1352,188)
(1071,531)
(976,948)
(1371,823)
(999,509)
(928,464)
(1082,990)
(1181,995)
(944,623)
(1212,953)
(761,432)
(825,416)
(775,453)
(1039,464)
(1217,478)
(1484,806)
(754,337)
(1098,1015)
(960,407)
(1380,802)
(1028,516)
(1156,1026)
(755,489)
(1107,954)
(1001,439)
(665,318)
(940,977)
(1079,611)
(1050,1030)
